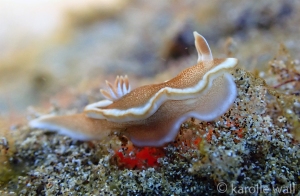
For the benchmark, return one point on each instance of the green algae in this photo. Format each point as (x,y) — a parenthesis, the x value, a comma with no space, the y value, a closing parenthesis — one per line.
(10,167)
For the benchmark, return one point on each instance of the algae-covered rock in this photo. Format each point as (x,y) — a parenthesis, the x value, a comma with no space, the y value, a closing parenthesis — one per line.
(249,145)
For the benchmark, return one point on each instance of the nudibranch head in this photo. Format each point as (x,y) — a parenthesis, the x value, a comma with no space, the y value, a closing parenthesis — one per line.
(151,115)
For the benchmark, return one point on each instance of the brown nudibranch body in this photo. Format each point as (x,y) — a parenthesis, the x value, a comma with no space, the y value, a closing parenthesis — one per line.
(151,115)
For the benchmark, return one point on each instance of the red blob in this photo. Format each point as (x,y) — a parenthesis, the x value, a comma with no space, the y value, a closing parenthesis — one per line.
(141,157)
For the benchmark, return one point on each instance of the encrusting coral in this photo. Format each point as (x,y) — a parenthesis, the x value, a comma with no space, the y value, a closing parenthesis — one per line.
(151,115)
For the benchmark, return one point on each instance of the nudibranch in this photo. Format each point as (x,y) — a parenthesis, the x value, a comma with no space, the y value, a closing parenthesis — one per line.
(151,115)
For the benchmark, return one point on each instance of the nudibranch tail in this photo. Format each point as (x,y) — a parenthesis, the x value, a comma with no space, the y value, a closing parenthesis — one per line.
(203,49)
(76,126)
